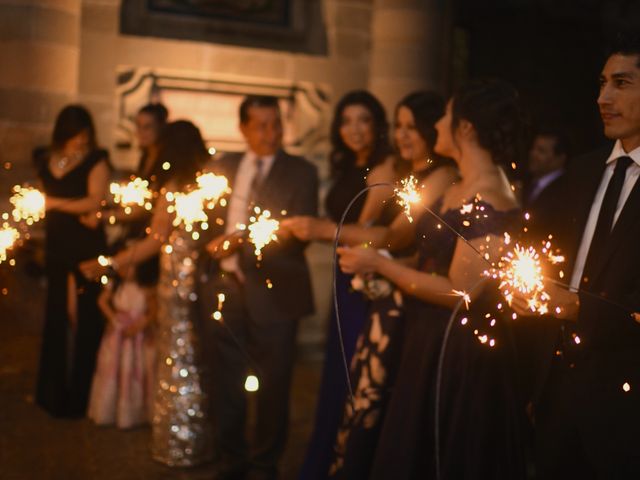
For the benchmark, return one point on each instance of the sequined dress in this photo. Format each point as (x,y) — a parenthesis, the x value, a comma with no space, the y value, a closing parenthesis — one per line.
(180,429)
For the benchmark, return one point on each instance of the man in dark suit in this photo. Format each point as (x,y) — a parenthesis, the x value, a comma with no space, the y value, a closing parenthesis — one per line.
(547,158)
(264,298)
(587,417)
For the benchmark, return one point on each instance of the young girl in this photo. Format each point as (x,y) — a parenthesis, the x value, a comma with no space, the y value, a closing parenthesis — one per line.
(121,393)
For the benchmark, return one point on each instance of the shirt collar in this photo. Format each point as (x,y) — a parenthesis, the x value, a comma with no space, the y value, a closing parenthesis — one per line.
(251,156)
(618,152)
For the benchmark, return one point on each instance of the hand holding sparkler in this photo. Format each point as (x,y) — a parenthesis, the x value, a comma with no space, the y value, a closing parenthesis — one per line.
(358,260)
(226,244)
(28,204)
(307,228)
(562,303)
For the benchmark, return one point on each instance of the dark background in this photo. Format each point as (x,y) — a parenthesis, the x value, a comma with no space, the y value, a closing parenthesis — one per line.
(551,50)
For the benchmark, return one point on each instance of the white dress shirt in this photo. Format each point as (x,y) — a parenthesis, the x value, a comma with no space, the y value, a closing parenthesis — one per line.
(631,176)
(237,212)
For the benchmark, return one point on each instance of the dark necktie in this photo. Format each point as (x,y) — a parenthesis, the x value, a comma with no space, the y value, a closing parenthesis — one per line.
(607,213)
(258,178)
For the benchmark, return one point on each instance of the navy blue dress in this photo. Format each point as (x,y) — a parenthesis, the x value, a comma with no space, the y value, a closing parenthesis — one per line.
(478,418)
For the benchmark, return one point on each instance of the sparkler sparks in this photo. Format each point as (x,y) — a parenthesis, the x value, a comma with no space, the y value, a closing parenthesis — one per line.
(408,195)
(8,237)
(262,230)
(212,187)
(521,271)
(189,209)
(135,192)
(465,296)
(28,204)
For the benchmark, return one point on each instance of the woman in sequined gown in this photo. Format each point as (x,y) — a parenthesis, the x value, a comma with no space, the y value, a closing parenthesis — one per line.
(73,174)
(481,130)
(182,147)
(379,345)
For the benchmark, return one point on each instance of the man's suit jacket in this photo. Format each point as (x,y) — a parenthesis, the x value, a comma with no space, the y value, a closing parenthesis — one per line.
(609,337)
(291,186)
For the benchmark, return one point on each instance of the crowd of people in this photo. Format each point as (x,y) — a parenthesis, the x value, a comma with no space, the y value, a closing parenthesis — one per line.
(415,384)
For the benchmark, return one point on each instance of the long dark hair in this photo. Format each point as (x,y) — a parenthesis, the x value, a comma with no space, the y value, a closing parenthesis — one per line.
(427,108)
(181,154)
(71,121)
(492,106)
(341,157)
(156,110)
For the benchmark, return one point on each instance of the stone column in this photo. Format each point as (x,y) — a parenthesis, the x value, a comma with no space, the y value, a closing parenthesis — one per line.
(39,51)
(409,49)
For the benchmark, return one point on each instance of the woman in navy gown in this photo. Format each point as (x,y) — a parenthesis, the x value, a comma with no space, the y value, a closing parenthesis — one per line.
(479,421)
(361,156)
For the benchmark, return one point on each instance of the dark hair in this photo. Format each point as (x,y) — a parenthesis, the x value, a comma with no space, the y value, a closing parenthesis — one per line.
(182,147)
(267,101)
(492,106)
(561,144)
(156,110)
(625,42)
(427,108)
(341,157)
(71,121)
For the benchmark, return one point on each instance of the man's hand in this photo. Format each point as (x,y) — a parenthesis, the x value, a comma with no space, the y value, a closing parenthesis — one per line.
(224,245)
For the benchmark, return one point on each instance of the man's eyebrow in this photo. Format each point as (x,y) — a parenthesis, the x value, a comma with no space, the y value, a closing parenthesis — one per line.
(623,75)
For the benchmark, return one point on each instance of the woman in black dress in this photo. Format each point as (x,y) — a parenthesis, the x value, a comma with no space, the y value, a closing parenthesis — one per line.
(481,130)
(374,363)
(74,175)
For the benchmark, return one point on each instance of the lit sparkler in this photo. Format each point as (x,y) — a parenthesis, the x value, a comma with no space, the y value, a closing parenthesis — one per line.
(465,297)
(8,237)
(408,195)
(262,229)
(28,204)
(521,271)
(189,209)
(212,187)
(135,192)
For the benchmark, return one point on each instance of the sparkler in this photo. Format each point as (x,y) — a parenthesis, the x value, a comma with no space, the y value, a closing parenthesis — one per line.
(135,192)
(262,230)
(28,203)
(521,271)
(212,187)
(408,195)
(189,209)
(8,237)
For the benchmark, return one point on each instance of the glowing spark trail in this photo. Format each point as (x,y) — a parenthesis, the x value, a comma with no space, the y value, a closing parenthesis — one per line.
(262,230)
(28,204)
(135,192)
(212,187)
(189,209)
(8,237)
(408,195)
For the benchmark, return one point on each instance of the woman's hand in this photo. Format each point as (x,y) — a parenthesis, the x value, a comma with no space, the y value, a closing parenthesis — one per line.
(563,304)
(224,245)
(359,260)
(90,220)
(92,269)
(306,228)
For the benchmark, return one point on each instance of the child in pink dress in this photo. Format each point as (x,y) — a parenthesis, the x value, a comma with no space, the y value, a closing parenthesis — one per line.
(121,392)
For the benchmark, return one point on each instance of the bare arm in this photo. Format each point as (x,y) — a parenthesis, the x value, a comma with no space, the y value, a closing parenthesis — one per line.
(97,186)
(464,273)
(401,232)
